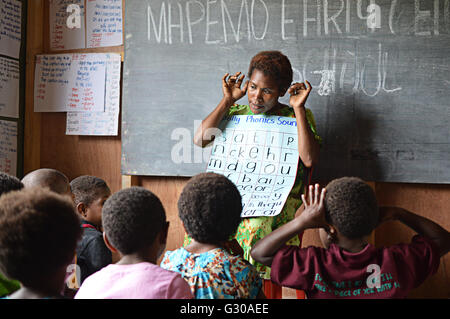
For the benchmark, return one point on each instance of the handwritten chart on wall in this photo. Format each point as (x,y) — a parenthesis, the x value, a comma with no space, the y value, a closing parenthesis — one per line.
(379,70)
(86,86)
(10,27)
(81,24)
(69,82)
(12,84)
(8,147)
(259,154)
(9,87)
(104,123)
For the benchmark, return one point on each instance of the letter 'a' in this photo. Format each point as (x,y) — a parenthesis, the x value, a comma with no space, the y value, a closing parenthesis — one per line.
(74,19)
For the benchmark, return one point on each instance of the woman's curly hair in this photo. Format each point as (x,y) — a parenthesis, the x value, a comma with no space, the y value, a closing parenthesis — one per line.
(274,64)
(210,208)
(351,206)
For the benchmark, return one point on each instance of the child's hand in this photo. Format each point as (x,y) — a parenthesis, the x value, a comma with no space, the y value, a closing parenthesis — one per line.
(314,214)
(231,87)
(299,94)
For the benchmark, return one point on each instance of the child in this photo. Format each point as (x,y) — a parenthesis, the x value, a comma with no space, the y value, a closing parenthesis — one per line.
(50,178)
(270,75)
(348,267)
(8,183)
(135,225)
(39,231)
(210,209)
(89,194)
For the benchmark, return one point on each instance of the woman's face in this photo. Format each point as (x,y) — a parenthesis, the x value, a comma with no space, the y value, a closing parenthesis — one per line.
(262,92)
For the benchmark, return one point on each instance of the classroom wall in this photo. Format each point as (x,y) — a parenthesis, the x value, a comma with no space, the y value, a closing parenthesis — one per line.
(46,145)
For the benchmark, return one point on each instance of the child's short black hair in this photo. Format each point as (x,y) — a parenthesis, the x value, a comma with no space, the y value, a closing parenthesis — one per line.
(274,64)
(132,218)
(9,183)
(351,206)
(210,208)
(86,189)
(39,230)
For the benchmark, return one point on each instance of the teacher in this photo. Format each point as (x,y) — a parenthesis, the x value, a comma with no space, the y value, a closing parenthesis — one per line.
(270,76)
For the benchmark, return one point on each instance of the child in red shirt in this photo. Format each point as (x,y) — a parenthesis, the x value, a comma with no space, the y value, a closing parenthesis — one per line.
(346,212)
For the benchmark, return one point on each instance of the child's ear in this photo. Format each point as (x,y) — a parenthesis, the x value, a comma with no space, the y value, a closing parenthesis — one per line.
(332,233)
(81,209)
(108,244)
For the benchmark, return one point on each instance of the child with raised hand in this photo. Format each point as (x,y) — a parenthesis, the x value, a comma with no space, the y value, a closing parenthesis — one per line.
(39,230)
(210,209)
(348,267)
(270,77)
(89,194)
(135,226)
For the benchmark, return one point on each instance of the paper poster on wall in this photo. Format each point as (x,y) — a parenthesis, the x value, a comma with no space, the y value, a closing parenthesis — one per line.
(76,26)
(104,23)
(10,27)
(260,155)
(101,123)
(8,147)
(9,87)
(70,82)
(67,24)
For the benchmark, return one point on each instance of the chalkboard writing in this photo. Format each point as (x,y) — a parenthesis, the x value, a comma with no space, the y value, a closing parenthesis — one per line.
(379,71)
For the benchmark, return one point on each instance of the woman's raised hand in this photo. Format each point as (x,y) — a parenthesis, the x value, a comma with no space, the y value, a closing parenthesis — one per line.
(299,94)
(231,87)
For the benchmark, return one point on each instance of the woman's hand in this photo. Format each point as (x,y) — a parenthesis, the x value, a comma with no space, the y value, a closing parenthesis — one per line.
(299,94)
(231,87)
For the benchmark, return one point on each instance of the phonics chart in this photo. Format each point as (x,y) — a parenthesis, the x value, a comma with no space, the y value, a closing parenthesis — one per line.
(260,155)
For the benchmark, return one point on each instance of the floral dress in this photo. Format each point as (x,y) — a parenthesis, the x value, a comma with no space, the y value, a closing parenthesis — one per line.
(215,274)
(251,230)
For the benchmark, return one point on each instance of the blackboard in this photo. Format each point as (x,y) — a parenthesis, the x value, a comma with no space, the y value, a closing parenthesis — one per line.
(380,72)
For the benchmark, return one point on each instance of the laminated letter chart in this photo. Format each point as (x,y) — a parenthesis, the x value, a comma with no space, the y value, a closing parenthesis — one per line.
(259,154)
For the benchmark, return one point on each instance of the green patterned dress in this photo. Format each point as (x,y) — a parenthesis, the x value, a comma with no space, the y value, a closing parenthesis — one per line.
(253,229)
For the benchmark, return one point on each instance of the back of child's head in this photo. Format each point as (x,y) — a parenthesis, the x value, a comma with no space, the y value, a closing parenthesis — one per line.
(210,208)
(274,64)
(9,183)
(351,206)
(132,218)
(47,177)
(86,189)
(39,230)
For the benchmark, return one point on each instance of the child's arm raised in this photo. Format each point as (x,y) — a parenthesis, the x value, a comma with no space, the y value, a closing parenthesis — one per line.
(308,148)
(312,217)
(232,92)
(421,225)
